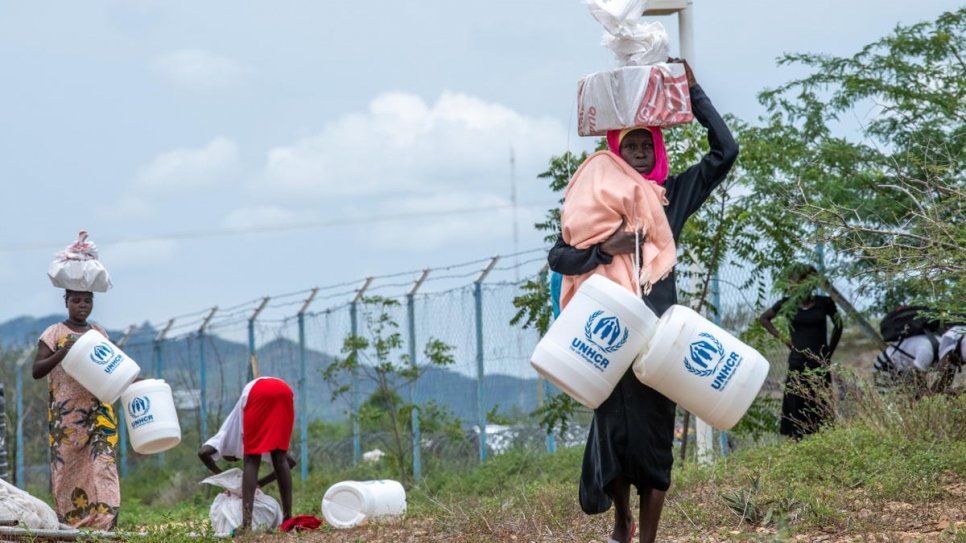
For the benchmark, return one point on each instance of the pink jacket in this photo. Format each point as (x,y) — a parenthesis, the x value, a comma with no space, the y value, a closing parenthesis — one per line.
(604,191)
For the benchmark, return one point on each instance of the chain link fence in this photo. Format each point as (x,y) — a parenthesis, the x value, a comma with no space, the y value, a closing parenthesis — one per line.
(207,357)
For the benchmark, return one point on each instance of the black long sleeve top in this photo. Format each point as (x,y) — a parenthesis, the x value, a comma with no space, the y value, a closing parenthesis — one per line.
(686,192)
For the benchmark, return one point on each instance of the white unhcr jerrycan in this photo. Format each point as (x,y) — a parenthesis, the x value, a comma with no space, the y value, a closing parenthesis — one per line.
(350,503)
(594,340)
(150,416)
(100,366)
(704,369)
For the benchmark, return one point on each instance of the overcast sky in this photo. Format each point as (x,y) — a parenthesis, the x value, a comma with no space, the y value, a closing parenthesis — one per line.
(221,151)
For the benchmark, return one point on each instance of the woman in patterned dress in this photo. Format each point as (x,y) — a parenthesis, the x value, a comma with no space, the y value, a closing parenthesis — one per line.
(83,431)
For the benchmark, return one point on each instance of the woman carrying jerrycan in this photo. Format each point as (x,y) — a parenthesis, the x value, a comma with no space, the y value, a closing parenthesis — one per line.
(632,431)
(83,430)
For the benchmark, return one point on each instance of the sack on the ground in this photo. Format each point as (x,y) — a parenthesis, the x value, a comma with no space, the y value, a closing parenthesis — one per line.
(225,512)
(28,511)
(907,321)
(77,268)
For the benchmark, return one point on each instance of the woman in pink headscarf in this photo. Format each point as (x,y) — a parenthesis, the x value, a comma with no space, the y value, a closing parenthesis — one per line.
(630,439)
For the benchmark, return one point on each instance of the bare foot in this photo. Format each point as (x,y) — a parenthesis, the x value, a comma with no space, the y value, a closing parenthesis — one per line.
(623,530)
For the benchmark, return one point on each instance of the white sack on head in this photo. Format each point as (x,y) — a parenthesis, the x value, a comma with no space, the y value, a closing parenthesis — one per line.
(633,42)
(77,268)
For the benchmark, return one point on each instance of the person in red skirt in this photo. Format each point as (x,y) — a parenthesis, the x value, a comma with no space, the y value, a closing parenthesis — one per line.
(260,424)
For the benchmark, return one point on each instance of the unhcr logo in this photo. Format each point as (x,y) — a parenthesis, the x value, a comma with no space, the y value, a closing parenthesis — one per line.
(139,406)
(102,353)
(602,335)
(605,332)
(704,355)
(727,372)
(139,409)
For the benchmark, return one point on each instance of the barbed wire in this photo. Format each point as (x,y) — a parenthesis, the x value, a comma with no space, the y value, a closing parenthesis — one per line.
(243,311)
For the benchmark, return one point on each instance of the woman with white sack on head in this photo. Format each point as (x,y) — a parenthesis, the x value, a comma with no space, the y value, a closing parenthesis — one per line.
(83,430)
(630,439)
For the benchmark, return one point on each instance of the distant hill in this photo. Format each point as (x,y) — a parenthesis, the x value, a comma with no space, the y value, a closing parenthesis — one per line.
(24,331)
(227,365)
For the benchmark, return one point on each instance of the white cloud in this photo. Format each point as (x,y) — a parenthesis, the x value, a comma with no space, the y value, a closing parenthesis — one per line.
(199,70)
(404,145)
(265,217)
(188,169)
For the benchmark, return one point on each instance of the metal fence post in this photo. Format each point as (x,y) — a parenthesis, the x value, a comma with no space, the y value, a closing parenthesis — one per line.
(21,362)
(417,438)
(19,401)
(158,361)
(252,358)
(354,315)
(716,302)
(480,373)
(303,391)
(121,424)
(4,465)
(203,377)
(544,388)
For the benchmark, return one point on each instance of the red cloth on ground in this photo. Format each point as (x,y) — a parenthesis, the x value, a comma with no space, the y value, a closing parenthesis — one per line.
(268,417)
(301,522)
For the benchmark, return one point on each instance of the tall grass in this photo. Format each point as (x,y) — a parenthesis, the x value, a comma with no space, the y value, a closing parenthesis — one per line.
(882,450)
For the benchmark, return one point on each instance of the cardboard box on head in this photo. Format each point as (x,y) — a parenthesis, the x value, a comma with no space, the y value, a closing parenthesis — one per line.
(644,90)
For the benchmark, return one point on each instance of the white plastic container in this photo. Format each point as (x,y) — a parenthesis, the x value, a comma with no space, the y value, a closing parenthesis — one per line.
(594,340)
(100,366)
(350,503)
(704,369)
(150,416)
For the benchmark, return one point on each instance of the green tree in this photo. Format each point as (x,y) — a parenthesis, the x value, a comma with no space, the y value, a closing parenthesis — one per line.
(376,356)
(892,201)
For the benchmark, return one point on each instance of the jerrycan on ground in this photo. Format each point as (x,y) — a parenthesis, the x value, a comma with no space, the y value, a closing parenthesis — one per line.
(594,340)
(100,366)
(351,503)
(701,367)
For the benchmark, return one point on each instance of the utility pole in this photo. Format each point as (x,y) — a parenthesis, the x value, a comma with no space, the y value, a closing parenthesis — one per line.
(513,203)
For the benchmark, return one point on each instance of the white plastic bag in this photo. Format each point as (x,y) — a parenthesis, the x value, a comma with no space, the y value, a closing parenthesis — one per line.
(28,511)
(225,512)
(77,268)
(645,90)
(633,96)
(633,42)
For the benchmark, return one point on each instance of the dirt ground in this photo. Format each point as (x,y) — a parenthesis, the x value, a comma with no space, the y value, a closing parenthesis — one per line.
(939,521)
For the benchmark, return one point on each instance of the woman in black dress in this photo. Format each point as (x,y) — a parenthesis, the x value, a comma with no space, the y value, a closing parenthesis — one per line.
(632,431)
(804,407)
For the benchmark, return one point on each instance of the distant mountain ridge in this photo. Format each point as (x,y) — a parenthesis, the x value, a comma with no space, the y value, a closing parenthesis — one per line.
(24,331)
(227,365)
